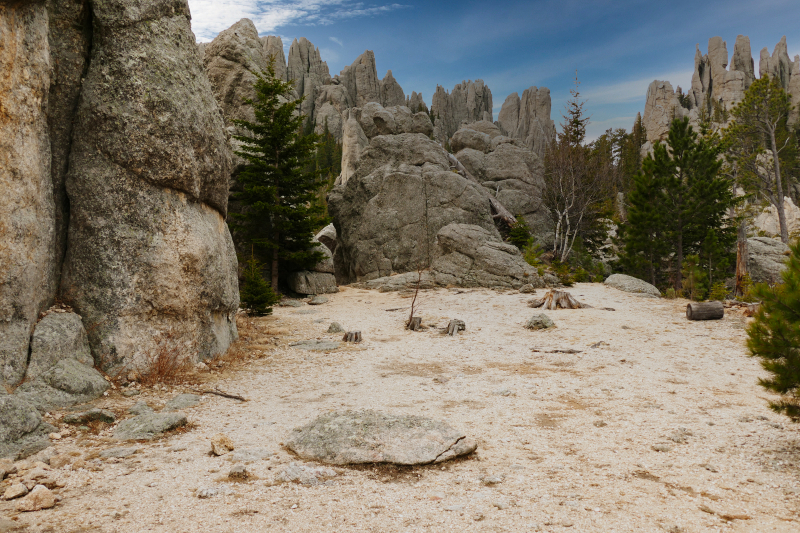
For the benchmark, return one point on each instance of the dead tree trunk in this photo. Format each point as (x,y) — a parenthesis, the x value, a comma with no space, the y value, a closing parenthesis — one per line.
(741,259)
(557,300)
(705,311)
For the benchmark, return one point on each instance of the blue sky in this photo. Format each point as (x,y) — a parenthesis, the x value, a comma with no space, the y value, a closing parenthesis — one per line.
(617,46)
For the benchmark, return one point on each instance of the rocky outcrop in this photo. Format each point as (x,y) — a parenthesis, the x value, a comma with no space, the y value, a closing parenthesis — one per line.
(149,249)
(391,92)
(527,119)
(767,221)
(511,173)
(767,259)
(626,283)
(389,218)
(470,101)
(28,239)
(716,89)
(309,71)
(361,80)
(415,102)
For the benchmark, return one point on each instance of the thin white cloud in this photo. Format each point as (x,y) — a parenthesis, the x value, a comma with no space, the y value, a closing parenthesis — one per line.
(337,41)
(209,17)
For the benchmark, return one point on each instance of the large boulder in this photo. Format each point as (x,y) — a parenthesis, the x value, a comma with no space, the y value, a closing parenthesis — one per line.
(28,261)
(58,336)
(305,282)
(471,256)
(767,259)
(22,430)
(627,283)
(388,213)
(358,437)
(149,249)
(68,382)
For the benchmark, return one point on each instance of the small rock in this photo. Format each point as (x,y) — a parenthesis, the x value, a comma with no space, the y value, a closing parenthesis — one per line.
(17,490)
(60,461)
(238,472)
(660,447)
(501,505)
(118,453)
(206,493)
(567,523)
(132,375)
(92,415)
(600,424)
(39,498)
(441,379)
(54,436)
(140,408)
(318,300)
(221,444)
(711,468)
(250,455)
(335,327)
(182,401)
(527,289)
(492,480)
(131,392)
(541,321)
(478,517)
(504,392)
(454,508)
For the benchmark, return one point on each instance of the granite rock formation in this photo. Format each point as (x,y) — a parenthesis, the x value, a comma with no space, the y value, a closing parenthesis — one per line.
(470,101)
(527,119)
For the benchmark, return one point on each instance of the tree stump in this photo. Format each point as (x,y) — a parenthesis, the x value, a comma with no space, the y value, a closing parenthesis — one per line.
(556,300)
(415,323)
(705,311)
(455,326)
(352,336)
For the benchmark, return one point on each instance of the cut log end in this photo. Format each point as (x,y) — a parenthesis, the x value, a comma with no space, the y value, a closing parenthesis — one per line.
(705,311)
(352,336)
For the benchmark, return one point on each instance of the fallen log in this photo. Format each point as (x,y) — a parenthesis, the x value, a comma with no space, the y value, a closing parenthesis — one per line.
(705,311)
(556,300)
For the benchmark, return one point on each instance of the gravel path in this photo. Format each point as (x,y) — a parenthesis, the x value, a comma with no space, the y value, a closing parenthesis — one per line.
(658,424)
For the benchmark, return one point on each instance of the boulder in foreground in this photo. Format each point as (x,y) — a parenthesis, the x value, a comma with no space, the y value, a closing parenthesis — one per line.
(631,284)
(358,437)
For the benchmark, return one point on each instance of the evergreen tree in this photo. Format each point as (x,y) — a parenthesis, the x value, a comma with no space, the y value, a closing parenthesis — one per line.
(256,294)
(775,336)
(520,234)
(279,186)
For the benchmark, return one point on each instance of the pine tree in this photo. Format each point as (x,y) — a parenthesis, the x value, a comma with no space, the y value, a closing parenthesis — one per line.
(775,336)
(279,185)
(520,234)
(256,294)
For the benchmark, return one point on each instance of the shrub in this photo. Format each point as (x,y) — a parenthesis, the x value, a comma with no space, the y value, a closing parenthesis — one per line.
(718,292)
(255,293)
(520,234)
(774,336)
(533,255)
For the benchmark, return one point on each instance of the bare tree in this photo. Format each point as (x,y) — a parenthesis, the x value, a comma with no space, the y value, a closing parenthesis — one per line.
(577,179)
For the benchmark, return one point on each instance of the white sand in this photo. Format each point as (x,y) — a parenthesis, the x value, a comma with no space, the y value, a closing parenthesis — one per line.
(655,377)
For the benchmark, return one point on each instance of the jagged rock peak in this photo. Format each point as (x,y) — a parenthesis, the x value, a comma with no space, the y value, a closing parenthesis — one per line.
(415,102)
(273,46)
(361,80)
(528,118)
(391,92)
(470,101)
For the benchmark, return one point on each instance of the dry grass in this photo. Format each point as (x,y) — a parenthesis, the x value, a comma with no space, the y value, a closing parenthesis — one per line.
(169,361)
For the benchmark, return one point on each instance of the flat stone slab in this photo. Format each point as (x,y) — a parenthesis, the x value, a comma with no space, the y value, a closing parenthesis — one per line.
(631,284)
(250,455)
(316,345)
(358,437)
(182,401)
(148,426)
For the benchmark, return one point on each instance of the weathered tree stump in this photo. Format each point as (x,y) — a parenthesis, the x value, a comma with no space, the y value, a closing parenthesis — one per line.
(352,336)
(556,300)
(455,326)
(705,311)
(415,323)
(751,310)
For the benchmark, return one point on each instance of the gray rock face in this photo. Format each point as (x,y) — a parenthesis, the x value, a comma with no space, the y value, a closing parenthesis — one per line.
(388,213)
(148,247)
(305,282)
(471,256)
(68,382)
(358,437)
(630,284)
(661,106)
(391,93)
(308,70)
(415,103)
(58,336)
(149,425)
(468,102)
(327,236)
(361,80)
(22,430)
(27,207)
(513,174)
(767,259)
(528,119)
(92,415)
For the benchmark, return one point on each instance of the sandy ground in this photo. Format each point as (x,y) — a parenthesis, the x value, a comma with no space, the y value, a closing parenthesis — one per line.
(569,437)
